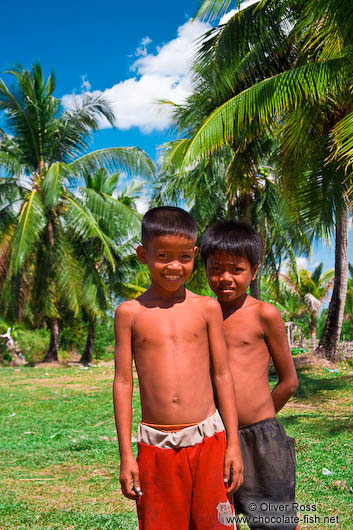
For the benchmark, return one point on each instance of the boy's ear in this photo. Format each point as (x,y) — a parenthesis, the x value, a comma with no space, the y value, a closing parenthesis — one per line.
(141,254)
(254,271)
(196,249)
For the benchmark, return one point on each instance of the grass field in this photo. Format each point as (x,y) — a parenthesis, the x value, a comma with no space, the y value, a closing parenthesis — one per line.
(59,462)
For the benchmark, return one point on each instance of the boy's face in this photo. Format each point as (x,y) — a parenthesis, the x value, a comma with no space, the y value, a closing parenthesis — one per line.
(170,260)
(229,276)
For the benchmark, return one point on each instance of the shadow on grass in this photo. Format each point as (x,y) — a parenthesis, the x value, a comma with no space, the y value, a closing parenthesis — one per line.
(312,386)
(319,424)
(20,514)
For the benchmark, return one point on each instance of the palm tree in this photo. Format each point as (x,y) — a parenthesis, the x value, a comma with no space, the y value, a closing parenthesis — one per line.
(312,289)
(309,102)
(237,179)
(43,149)
(118,218)
(348,309)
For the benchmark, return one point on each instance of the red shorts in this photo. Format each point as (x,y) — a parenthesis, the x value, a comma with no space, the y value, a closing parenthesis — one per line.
(181,475)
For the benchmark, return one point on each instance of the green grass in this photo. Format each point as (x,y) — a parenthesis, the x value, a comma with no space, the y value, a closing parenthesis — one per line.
(59,463)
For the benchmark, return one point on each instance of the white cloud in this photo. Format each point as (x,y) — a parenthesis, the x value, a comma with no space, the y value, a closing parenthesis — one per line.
(142,50)
(227,16)
(161,75)
(142,204)
(302,262)
(85,85)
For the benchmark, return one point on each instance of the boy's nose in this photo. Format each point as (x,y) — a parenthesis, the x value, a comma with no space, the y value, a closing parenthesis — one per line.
(225,276)
(174,266)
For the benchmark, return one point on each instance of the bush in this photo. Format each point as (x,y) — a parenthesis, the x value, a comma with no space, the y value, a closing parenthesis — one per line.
(346,332)
(73,335)
(104,339)
(33,344)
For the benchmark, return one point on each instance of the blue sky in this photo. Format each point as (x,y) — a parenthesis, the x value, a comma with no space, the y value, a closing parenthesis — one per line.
(132,52)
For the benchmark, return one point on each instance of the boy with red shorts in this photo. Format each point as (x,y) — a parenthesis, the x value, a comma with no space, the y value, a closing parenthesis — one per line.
(254,333)
(185,467)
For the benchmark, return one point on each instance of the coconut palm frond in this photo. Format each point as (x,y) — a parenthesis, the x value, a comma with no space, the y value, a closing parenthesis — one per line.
(266,101)
(85,226)
(211,9)
(32,222)
(132,160)
(69,276)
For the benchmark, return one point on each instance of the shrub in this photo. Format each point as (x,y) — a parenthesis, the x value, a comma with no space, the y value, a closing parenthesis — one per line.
(33,343)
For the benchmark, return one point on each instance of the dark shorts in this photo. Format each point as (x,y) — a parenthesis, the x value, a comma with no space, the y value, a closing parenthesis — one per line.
(267,496)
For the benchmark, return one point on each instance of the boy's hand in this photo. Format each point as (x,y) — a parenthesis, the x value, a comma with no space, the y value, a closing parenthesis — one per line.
(130,479)
(233,468)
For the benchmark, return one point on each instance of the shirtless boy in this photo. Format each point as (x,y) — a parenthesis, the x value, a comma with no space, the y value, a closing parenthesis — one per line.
(185,468)
(254,333)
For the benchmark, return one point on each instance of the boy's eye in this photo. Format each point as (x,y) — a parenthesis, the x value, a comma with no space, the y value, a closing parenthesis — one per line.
(186,256)
(163,255)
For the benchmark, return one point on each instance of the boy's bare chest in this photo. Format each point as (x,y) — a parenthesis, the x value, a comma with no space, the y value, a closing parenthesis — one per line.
(156,326)
(244,332)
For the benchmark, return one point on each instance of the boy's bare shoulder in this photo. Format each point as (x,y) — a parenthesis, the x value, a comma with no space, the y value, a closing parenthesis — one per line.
(127,311)
(268,314)
(206,303)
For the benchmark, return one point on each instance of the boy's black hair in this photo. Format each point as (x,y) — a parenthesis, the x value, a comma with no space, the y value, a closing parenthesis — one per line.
(231,237)
(168,220)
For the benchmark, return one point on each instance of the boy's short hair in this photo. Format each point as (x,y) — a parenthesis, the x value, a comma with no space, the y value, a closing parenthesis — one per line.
(168,220)
(231,237)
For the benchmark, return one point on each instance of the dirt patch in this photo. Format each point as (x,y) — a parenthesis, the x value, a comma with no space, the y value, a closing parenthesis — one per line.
(312,361)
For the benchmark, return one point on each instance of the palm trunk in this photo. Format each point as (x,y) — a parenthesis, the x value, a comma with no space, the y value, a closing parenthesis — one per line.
(52,354)
(330,339)
(312,333)
(21,297)
(244,206)
(255,287)
(88,352)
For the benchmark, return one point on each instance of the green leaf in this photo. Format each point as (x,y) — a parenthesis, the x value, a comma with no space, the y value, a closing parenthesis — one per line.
(32,222)
(85,226)
(264,102)
(52,184)
(132,160)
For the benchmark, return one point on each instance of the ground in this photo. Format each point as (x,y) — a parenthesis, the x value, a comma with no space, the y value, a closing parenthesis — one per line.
(59,462)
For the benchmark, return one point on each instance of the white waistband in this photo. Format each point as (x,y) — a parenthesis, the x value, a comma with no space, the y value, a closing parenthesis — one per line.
(186,437)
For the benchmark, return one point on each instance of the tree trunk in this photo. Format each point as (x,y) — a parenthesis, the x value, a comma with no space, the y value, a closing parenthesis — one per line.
(255,288)
(52,354)
(312,333)
(244,207)
(88,352)
(330,339)
(21,297)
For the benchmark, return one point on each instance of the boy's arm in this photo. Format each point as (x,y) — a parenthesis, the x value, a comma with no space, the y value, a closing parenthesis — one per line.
(122,398)
(277,343)
(224,387)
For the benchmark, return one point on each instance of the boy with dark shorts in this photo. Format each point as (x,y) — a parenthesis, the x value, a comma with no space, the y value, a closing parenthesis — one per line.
(254,333)
(185,467)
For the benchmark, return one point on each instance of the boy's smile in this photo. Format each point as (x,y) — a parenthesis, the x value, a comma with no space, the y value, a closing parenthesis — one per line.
(229,276)
(170,259)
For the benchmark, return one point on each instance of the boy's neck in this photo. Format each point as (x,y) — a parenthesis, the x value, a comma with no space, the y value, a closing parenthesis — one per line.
(230,307)
(156,292)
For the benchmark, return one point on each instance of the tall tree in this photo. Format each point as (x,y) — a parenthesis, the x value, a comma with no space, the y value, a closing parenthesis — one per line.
(310,103)
(242,174)
(44,147)
(348,309)
(312,289)
(118,218)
